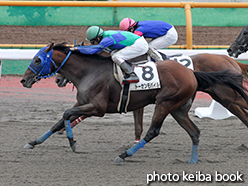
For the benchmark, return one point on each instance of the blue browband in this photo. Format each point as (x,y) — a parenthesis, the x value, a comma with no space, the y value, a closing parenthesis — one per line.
(43,70)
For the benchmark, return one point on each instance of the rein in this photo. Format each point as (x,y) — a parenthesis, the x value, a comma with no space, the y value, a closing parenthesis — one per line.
(47,60)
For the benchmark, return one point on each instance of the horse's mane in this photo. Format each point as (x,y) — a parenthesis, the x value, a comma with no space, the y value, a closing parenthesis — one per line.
(63,47)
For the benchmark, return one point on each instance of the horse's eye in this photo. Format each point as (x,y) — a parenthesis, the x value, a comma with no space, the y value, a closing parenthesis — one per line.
(245,32)
(37,61)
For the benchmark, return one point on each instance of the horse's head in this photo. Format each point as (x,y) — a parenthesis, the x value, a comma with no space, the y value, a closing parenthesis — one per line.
(39,67)
(240,45)
(43,66)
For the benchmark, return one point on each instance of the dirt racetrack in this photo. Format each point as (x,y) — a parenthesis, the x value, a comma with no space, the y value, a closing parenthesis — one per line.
(28,113)
(25,114)
(47,34)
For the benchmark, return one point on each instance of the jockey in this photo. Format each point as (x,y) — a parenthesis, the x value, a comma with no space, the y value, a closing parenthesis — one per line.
(163,34)
(125,46)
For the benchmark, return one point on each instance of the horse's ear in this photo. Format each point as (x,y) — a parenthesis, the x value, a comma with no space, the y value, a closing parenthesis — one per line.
(49,47)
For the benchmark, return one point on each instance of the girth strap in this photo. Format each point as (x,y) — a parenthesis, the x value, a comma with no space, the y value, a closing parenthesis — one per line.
(125,93)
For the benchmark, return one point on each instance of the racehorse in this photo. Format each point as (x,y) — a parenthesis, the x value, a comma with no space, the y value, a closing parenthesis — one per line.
(201,62)
(98,91)
(240,44)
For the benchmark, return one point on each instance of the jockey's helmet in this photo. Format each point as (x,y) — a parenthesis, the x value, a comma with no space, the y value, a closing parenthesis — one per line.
(93,33)
(126,24)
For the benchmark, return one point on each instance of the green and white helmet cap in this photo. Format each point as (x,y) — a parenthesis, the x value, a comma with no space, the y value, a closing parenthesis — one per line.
(93,32)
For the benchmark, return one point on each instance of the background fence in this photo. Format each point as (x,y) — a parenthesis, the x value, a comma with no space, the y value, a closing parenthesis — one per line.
(43,13)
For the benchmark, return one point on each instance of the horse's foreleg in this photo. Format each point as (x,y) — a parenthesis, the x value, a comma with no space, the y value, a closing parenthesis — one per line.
(236,105)
(138,123)
(157,121)
(182,117)
(58,126)
(84,111)
(240,112)
(74,123)
(69,135)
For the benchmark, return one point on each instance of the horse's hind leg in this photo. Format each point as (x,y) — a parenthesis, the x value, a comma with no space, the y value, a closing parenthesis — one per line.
(182,117)
(138,123)
(157,120)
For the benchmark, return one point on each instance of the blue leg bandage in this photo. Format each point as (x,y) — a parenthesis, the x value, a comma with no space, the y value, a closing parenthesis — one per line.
(68,129)
(136,147)
(44,137)
(194,154)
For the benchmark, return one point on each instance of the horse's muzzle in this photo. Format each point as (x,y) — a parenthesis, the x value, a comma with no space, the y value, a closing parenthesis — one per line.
(231,53)
(61,82)
(24,83)
(29,82)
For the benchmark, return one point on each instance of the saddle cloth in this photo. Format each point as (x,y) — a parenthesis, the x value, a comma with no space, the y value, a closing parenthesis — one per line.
(183,60)
(147,73)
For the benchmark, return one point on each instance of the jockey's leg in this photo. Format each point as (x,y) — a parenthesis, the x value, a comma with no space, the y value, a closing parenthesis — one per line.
(154,54)
(170,38)
(139,47)
(130,76)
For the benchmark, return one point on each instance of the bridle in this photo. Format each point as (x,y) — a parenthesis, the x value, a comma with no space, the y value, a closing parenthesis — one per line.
(43,70)
(242,47)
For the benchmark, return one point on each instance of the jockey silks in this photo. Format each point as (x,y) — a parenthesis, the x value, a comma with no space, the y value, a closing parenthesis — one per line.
(111,39)
(152,29)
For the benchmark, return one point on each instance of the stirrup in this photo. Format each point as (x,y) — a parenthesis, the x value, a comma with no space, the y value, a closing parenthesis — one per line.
(133,78)
(125,81)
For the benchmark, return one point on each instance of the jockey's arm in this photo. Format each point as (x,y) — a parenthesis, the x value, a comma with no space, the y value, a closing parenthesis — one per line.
(139,33)
(92,49)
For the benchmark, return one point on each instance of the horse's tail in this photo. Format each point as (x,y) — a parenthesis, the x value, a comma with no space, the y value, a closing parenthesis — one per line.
(225,78)
(244,68)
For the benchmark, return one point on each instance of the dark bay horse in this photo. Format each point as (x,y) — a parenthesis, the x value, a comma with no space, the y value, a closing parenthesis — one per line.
(98,92)
(240,44)
(201,62)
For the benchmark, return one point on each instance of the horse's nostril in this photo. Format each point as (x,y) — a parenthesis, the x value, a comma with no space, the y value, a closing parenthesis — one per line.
(229,50)
(23,81)
(57,80)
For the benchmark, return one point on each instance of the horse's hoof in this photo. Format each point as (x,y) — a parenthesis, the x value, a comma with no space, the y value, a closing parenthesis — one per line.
(192,161)
(118,159)
(74,147)
(28,146)
(60,132)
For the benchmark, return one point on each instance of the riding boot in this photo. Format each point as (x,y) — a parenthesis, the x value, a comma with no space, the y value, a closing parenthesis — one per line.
(154,54)
(130,76)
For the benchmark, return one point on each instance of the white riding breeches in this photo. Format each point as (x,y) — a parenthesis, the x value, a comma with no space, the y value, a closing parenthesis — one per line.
(139,47)
(170,38)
